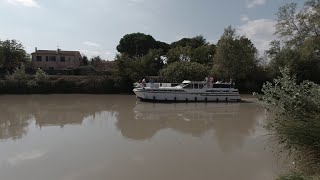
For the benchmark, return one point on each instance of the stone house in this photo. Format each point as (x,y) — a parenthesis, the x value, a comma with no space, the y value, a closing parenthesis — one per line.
(56,59)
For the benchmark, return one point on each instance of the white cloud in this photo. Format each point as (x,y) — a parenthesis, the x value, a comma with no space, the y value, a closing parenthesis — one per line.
(105,55)
(27,3)
(253,3)
(136,1)
(108,53)
(133,2)
(244,18)
(90,53)
(92,44)
(260,32)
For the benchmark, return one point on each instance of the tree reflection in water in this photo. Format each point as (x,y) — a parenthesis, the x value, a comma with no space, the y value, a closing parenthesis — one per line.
(230,122)
(17,112)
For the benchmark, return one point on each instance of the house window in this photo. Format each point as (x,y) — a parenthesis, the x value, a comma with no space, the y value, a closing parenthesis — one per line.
(39,58)
(69,59)
(62,59)
(52,58)
(47,58)
(51,68)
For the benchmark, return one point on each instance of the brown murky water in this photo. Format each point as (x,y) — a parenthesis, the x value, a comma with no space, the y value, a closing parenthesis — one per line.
(115,137)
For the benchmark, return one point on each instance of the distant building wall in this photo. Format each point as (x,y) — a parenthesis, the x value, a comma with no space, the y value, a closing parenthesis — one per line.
(56,60)
(105,66)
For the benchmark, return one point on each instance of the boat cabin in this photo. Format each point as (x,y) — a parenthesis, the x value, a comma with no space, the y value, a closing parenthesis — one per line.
(186,84)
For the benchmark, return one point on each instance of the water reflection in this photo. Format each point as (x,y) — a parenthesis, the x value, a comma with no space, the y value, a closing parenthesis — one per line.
(117,137)
(135,120)
(48,110)
(231,123)
(14,117)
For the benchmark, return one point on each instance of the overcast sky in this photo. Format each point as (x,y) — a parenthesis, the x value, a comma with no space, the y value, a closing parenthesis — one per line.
(94,27)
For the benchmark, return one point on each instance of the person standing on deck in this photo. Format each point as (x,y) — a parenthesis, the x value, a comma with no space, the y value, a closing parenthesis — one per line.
(143,82)
(207,81)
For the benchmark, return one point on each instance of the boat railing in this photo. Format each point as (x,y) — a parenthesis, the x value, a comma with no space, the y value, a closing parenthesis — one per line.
(155,85)
(199,85)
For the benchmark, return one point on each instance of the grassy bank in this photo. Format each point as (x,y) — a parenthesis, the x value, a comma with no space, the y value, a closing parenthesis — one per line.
(20,83)
(94,85)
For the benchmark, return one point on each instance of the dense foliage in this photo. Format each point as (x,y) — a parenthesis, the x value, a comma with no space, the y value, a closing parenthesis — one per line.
(12,54)
(235,57)
(20,83)
(139,44)
(297,124)
(181,70)
(298,46)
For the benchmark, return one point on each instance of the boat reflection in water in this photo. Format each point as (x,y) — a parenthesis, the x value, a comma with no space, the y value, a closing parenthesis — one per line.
(230,123)
(57,137)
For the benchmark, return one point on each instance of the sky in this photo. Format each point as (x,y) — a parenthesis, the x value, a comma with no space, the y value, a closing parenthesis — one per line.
(95,27)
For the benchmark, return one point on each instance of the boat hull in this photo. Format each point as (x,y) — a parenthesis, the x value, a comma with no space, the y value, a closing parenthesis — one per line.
(186,96)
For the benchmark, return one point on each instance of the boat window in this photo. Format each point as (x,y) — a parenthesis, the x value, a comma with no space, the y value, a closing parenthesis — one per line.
(189,86)
(195,86)
(225,85)
(215,85)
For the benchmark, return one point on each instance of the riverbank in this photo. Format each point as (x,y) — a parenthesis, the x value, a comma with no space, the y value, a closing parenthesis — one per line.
(296,125)
(66,84)
(61,85)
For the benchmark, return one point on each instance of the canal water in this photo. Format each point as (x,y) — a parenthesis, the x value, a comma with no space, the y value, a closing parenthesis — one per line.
(116,137)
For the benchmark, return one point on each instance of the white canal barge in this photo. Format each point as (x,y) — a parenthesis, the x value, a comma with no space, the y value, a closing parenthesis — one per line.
(187,91)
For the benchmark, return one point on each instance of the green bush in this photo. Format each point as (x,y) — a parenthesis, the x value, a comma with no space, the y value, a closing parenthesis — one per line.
(40,76)
(297,176)
(293,176)
(85,70)
(19,75)
(297,122)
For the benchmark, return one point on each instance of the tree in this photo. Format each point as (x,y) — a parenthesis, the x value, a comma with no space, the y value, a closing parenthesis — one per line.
(163,46)
(132,69)
(235,56)
(152,62)
(203,54)
(299,32)
(126,72)
(194,42)
(195,49)
(85,60)
(297,27)
(139,44)
(179,53)
(12,54)
(95,60)
(182,70)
